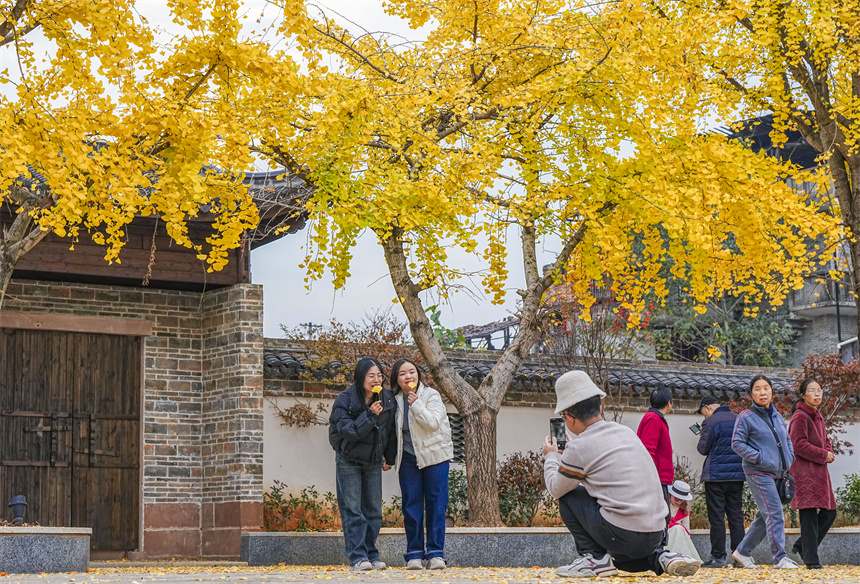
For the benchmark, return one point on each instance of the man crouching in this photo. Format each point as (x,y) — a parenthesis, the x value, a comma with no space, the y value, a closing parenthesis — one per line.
(608,491)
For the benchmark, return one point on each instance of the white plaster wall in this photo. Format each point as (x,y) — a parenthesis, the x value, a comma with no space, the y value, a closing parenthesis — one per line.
(301,457)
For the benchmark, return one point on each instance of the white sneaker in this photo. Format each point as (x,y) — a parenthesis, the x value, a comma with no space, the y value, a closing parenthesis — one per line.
(786,563)
(436,564)
(362,566)
(378,565)
(745,561)
(676,564)
(589,567)
(415,564)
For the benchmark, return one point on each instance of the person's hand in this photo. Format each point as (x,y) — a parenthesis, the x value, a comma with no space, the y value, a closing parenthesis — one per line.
(830,457)
(549,445)
(386,466)
(376,407)
(412,397)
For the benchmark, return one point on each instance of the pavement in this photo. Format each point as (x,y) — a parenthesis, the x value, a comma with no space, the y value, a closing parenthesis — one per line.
(237,574)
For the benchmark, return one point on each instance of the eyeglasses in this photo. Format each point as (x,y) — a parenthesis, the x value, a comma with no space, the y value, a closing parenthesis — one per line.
(375,376)
(815,391)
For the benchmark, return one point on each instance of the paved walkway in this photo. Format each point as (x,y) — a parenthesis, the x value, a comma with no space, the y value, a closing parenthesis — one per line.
(341,575)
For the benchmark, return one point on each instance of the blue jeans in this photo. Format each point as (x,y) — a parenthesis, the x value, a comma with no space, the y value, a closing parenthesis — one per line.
(768,521)
(359,498)
(425,490)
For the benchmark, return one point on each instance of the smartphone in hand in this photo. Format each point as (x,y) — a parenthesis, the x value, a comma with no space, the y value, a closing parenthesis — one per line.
(696,428)
(556,430)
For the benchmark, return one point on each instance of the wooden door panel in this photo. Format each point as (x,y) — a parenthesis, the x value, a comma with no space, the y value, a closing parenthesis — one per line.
(70,430)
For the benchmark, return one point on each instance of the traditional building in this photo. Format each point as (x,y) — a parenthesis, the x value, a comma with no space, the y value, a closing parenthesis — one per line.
(137,409)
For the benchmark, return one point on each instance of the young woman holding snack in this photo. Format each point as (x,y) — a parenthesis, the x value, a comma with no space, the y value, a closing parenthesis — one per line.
(361,431)
(424,450)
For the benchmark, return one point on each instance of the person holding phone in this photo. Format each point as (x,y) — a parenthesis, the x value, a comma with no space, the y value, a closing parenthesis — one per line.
(723,477)
(425,448)
(608,490)
(761,439)
(361,431)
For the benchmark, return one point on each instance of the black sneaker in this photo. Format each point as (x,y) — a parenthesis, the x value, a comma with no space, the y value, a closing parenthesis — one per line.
(797,547)
(715,563)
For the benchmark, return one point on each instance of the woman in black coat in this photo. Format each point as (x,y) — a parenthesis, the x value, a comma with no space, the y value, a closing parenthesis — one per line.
(361,431)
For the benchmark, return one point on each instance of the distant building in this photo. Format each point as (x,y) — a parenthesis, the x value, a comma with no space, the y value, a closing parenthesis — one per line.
(823,311)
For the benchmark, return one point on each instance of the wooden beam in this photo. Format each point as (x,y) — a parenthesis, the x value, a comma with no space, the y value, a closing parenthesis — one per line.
(76,324)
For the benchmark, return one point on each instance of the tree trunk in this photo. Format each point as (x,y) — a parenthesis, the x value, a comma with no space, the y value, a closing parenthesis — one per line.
(6,269)
(478,408)
(16,240)
(480,439)
(845,174)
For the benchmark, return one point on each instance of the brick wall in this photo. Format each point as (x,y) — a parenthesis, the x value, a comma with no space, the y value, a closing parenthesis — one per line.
(819,336)
(232,442)
(202,409)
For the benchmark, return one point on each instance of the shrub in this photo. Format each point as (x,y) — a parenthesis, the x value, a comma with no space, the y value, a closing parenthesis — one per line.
(458,496)
(848,498)
(306,512)
(521,488)
(392,515)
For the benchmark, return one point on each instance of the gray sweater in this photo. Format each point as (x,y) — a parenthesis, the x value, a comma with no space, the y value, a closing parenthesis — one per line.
(616,469)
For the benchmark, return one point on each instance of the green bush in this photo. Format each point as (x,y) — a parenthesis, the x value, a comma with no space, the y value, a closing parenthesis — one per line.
(848,498)
(306,512)
(458,496)
(392,515)
(522,491)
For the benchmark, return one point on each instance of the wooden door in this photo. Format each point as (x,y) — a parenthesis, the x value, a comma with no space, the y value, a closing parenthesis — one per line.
(70,430)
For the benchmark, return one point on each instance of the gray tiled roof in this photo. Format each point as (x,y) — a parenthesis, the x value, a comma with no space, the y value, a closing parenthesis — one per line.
(684,380)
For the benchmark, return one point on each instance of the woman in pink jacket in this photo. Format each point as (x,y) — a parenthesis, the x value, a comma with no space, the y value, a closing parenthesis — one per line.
(813,497)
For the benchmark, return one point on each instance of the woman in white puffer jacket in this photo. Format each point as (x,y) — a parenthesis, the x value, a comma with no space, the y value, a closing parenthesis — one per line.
(424,450)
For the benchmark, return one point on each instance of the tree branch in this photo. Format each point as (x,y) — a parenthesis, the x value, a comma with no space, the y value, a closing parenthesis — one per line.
(361,57)
(9,25)
(461,394)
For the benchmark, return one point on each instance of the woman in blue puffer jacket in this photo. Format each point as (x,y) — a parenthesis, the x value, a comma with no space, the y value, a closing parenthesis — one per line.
(753,439)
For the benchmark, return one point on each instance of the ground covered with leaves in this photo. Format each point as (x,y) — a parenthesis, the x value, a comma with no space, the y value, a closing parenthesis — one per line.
(282,573)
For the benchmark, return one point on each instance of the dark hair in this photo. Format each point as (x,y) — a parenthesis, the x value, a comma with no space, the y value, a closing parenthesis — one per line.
(586,410)
(801,391)
(361,368)
(395,371)
(660,398)
(758,378)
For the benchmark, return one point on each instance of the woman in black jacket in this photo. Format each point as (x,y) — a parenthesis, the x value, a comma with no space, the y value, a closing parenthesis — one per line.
(361,431)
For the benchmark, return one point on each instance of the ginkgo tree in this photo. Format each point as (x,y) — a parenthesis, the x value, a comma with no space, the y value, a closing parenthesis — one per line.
(510,123)
(101,121)
(799,61)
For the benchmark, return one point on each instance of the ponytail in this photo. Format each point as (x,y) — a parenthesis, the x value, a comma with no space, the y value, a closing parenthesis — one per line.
(801,391)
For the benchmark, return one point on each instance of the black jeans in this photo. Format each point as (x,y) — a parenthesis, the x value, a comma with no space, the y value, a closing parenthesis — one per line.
(725,499)
(632,551)
(668,504)
(814,524)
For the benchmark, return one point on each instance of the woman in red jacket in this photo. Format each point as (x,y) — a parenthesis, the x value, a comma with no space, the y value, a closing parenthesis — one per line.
(813,497)
(653,431)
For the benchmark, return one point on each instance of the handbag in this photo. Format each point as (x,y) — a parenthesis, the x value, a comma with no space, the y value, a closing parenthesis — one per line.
(785,483)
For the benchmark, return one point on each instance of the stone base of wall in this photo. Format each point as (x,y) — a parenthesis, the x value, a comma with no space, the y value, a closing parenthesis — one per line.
(505,547)
(194,530)
(32,550)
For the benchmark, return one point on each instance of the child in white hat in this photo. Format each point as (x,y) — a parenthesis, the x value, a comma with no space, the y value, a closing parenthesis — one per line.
(679,527)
